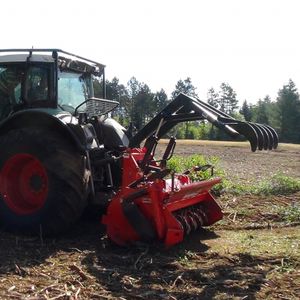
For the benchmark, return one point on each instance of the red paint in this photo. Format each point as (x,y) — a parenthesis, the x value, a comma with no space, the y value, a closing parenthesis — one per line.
(24,184)
(160,205)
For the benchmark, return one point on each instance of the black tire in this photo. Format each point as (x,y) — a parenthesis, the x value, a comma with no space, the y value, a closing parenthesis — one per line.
(67,181)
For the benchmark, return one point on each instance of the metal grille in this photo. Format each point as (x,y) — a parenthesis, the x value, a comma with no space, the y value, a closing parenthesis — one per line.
(97,107)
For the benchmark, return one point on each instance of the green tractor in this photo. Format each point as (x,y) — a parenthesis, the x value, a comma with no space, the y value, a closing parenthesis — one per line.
(46,143)
(61,153)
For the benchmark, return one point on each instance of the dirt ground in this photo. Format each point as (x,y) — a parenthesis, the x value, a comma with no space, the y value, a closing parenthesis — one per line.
(253,253)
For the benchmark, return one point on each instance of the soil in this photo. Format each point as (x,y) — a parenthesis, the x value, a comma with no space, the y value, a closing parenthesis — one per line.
(253,253)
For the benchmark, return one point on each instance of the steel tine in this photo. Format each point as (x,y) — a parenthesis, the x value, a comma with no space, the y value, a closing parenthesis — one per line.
(248,131)
(266,141)
(275,136)
(271,138)
(260,135)
(266,136)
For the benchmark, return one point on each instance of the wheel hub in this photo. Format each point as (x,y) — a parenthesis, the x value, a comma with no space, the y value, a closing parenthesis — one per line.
(36,183)
(24,184)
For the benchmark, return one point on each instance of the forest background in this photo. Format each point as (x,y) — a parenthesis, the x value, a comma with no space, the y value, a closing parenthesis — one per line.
(139,104)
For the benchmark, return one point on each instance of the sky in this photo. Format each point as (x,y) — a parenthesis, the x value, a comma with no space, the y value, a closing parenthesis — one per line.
(253,45)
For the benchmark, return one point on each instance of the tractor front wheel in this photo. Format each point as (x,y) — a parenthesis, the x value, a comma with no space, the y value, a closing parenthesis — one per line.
(43,182)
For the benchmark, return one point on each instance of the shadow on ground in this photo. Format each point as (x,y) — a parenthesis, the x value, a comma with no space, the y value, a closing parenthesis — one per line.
(187,271)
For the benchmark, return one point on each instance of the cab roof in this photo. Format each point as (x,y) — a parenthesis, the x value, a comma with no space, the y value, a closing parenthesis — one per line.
(65,59)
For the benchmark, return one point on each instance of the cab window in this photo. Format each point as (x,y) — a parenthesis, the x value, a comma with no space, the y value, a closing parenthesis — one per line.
(37,84)
(73,89)
(10,88)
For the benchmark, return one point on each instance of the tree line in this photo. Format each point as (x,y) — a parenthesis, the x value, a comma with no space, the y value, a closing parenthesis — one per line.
(138,105)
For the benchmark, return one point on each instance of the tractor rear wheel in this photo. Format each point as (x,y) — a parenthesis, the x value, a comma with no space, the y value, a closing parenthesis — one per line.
(43,182)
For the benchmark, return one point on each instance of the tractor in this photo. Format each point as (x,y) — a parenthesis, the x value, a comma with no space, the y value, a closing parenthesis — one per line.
(61,153)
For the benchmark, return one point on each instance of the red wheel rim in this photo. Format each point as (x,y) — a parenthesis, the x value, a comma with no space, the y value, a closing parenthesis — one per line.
(24,184)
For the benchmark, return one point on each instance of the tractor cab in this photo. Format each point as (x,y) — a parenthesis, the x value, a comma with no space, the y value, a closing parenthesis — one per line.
(46,78)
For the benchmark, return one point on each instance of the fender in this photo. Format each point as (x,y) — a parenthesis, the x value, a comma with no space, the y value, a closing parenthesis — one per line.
(52,119)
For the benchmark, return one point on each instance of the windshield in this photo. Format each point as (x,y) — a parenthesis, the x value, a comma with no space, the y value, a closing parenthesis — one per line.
(73,89)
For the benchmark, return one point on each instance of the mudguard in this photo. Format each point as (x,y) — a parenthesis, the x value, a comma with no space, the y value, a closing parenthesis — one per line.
(61,122)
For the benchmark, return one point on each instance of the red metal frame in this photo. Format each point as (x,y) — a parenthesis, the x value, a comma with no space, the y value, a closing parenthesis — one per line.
(171,213)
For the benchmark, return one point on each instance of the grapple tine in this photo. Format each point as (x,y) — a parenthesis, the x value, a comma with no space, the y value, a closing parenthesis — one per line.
(268,136)
(261,136)
(250,133)
(271,138)
(245,129)
(275,136)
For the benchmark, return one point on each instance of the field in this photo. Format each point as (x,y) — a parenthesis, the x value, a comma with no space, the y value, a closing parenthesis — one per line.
(253,253)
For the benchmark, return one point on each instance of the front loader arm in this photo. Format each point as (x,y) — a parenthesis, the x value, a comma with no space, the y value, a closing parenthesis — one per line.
(185,108)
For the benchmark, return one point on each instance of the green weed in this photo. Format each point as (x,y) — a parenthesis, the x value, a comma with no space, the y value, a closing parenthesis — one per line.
(278,184)
(180,164)
(290,214)
(287,265)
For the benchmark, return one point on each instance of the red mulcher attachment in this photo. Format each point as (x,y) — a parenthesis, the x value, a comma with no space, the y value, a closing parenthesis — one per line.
(149,208)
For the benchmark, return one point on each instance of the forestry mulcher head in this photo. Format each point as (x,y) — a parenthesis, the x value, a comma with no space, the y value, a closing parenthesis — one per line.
(149,207)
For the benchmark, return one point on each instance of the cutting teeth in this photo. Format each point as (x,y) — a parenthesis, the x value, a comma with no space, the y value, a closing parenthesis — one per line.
(199,219)
(191,218)
(202,215)
(187,224)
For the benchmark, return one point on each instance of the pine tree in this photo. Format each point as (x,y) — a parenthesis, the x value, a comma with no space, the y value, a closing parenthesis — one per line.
(141,102)
(228,102)
(262,116)
(160,100)
(246,111)
(112,89)
(288,104)
(185,87)
(213,98)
